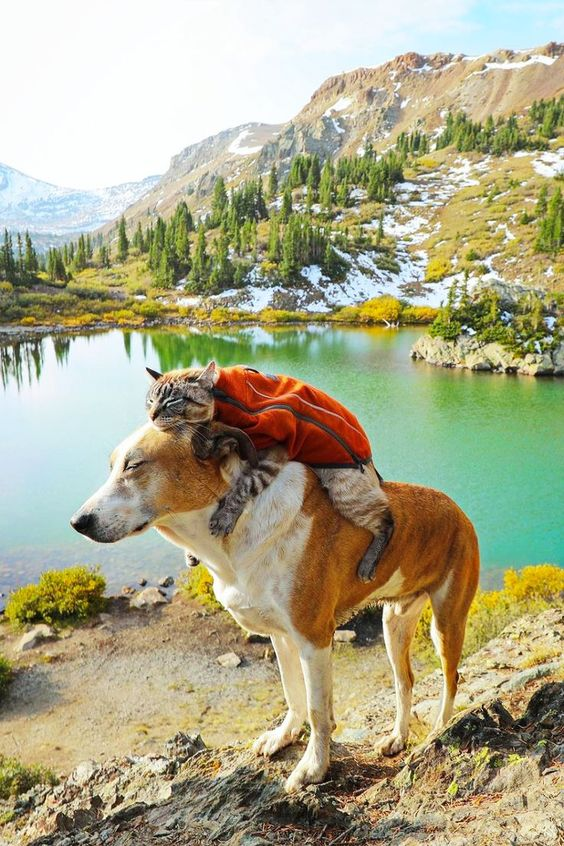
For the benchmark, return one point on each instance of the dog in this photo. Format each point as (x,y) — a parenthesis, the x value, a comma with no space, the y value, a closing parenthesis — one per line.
(289,571)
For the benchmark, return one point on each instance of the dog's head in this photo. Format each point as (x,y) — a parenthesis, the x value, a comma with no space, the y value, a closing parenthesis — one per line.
(153,474)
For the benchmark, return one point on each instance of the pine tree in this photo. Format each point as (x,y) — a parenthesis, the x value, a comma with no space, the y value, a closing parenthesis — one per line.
(274,238)
(221,276)
(123,243)
(272,183)
(200,260)
(326,186)
(30,261)
(138,240)
(286,209)
(80,257)
(219,202)
(89,250)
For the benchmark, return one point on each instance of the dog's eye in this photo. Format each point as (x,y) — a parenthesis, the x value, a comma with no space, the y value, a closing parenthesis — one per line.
(133,466)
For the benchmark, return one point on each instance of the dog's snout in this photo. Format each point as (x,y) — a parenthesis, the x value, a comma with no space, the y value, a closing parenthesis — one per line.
(82,522)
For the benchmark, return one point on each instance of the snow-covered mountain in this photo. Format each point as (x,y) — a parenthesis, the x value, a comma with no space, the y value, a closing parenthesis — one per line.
(53,212)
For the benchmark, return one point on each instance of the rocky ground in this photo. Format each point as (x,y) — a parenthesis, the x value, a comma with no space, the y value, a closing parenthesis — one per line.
(470,354)
(494,776)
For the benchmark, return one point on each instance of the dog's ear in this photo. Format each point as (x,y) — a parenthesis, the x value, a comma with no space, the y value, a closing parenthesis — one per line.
(208,374)
(231,440)
(154,374)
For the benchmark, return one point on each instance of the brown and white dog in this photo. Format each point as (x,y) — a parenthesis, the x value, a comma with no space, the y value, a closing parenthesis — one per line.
(289,571)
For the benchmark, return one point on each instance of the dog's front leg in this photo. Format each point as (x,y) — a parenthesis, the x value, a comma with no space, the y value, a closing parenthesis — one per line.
(294,691)
(316,668)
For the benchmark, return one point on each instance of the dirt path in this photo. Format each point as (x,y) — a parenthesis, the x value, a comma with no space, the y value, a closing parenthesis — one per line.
(134,678)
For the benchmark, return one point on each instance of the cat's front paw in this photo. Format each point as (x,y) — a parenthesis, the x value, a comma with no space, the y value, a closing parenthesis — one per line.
(222,522)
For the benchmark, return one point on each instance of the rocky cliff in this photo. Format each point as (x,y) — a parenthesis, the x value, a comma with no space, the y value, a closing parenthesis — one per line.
(468,353)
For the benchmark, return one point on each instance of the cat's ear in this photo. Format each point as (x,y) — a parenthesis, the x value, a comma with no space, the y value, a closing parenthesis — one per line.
(154,374)
(208,376)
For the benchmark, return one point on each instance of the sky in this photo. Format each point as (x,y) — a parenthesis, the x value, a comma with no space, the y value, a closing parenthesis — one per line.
(95,94)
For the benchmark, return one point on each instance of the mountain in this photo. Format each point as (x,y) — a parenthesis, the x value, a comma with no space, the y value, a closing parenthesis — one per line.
(351,109)
(52,213)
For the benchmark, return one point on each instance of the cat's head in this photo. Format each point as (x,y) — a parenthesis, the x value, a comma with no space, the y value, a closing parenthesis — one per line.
(181,395)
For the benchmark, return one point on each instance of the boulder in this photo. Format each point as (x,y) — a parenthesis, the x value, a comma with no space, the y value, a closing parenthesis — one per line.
(35,637)
(537,364)
(558,360)
(166,581)
(148,598)
(229,659)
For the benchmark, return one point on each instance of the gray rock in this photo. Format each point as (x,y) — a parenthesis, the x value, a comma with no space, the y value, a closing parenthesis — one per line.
(127,590)
(182,746)
(148,598)
(344,636)
(166,581)
(229,659)
(523,678)
(142,581)
(83,772)
(35,637)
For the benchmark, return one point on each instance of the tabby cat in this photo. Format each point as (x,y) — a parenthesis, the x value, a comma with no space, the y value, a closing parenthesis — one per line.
(186,396)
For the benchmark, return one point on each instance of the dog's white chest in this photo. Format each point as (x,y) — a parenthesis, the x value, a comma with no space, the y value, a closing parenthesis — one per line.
(258,608)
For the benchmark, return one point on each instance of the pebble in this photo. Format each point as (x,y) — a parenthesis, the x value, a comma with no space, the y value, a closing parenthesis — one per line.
(229,659)
(166,581)
(344,636)
(127,590)
(142,581)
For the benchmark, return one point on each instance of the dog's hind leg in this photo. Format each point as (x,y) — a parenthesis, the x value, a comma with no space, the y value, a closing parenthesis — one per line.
(316,667)
(447,633)
(399,621)
(294,691)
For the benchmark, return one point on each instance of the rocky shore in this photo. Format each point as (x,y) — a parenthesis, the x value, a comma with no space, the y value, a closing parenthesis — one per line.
(493,776)
(468,353)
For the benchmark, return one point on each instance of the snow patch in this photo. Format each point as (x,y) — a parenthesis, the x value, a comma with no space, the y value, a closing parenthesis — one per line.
(404,103)
(550,164)
(341,104)
(238,149)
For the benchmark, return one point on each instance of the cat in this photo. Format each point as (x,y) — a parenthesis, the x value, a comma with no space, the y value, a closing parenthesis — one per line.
(188,397)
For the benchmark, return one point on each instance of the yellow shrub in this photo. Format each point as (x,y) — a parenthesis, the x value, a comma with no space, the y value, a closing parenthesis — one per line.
(29,320)
(72,593)
(380,310)
(437,269)
(197,583)
(418,314)
(544,581)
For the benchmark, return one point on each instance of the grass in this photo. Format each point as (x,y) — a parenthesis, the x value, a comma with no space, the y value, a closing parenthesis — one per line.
(5,675)
(17,778)
(61,596)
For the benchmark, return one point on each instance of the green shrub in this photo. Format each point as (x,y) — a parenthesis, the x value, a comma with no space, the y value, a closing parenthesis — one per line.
(61,595)
(197,583)
(17,778)
(5,675)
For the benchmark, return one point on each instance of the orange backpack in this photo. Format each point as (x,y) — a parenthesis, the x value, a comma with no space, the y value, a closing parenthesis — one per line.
(313,427)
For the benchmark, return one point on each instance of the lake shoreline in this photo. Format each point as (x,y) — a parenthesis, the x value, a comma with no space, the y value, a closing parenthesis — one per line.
(17,333)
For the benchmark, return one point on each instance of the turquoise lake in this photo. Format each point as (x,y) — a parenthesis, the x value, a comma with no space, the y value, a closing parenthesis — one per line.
(494,443)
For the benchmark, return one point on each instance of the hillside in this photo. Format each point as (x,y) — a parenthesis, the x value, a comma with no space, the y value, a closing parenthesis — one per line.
(367,104)
(52,213)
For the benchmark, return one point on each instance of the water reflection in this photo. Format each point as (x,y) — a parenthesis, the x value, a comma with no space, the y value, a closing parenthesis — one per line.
(22,362)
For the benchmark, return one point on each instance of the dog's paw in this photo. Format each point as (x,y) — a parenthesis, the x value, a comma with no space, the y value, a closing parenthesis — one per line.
(391,745)
(272,741)
(310,770)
